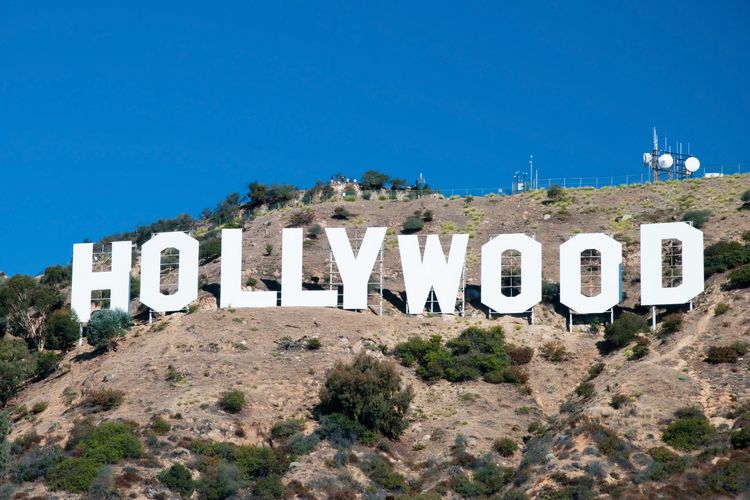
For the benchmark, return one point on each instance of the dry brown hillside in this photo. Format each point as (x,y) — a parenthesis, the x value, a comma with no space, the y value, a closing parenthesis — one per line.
(178,367)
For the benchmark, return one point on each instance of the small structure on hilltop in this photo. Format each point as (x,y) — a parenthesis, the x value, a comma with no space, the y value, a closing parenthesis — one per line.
(666,165)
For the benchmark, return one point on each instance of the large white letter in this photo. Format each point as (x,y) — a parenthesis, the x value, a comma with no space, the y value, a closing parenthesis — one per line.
(570,273)
(355,271)
(652,291)
(432,271)
(232,294)
(187,274)
(292,294)
(531,273)
(117,280)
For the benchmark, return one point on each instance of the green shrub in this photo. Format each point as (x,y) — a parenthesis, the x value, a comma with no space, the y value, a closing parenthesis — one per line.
(342,431)
(721,308)
(619,400)
(741,438)
(5,427)
(639,351)
(232,401)
(665,463)
(697,217)
(314,231)
(492,478)
(46,363)
(427,216)
(465,487)
(506,447)
(739,278)
(746,196)
(63,330)
(301,217)
(520,355)
(367,391)
(623,330)
(178,479)
(35,463)
(39,407)
(381,472)
(220,482)
(595,370)
(160,426)
(209,249)
(476,352)
(554,351)
(691,430)
(57,276)
(671,324)
(299,444)
(73,474)
(732,478)
(110,442)
(413,223)
(723,256)
(373,180)
(17,365)
(106,327)
(274,195)
(268,488)
(722,354)
(103,485)
(284,429)
(341,213)
(23,303)
(313,344)
(555,192)
(550,292)
(585,390)
(104,399)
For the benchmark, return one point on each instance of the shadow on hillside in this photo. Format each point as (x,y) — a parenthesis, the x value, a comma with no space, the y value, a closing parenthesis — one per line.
(397,301)
(214,289)
(85,356)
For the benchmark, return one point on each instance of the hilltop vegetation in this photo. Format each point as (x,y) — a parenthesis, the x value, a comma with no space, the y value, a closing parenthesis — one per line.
(325,403)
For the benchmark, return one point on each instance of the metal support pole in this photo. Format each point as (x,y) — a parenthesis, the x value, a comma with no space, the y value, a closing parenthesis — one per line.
(653,318)
(80,334)
(612,315)
(570,321)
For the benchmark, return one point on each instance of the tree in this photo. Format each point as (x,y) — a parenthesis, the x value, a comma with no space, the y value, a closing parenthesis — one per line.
(57,276)
(372,179)
(398,184)
(554,192)
(260,194)
(63,330)
(26,305)
(5,426)
(106,327)
(367,391)
(16,366)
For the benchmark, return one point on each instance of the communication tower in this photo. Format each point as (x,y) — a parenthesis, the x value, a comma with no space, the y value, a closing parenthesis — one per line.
(666,165)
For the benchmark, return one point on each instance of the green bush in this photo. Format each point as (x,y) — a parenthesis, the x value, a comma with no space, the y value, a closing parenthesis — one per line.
(5,427)
(23,303)
(520,355)
(73,474)
(465,487)
(665,463)
(740,439)
(103,485)
(475,353)
(268,488)
(62,330)
(17,365)
(492,478)
(721,308)
(106,327)
(35,463)
(723,256)
(554,351)
(342,431)
(690,431)
(555,192)
(697,217)
(341,213)
(46,363)
(373,180)
(746,196)
(299,444)
(367,391)
(413,223)
(585,390)
(284,429)
(506,447)
(623,330)
(671,324)
(160,426)
(732,478)
(739,278)
(274,195)
(232,401)
(104,399)
(110,443)
(220,482)
(314,231)
(178,479)
(301,217)
(550,292)
(722,354)
(619,400)
(381,472)
(639,351)
(209,249)
(57,276)
(313,344)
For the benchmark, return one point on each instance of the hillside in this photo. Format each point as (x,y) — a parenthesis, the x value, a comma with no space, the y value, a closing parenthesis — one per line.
(575,440)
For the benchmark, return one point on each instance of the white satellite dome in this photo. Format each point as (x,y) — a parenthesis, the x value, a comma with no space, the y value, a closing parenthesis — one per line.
(666,161)
(647,159)
(692,164)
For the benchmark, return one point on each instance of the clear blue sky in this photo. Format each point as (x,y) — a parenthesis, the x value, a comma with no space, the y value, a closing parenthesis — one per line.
(115,116)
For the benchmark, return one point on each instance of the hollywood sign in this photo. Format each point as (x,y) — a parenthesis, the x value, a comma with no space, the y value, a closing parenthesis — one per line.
(423,271)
